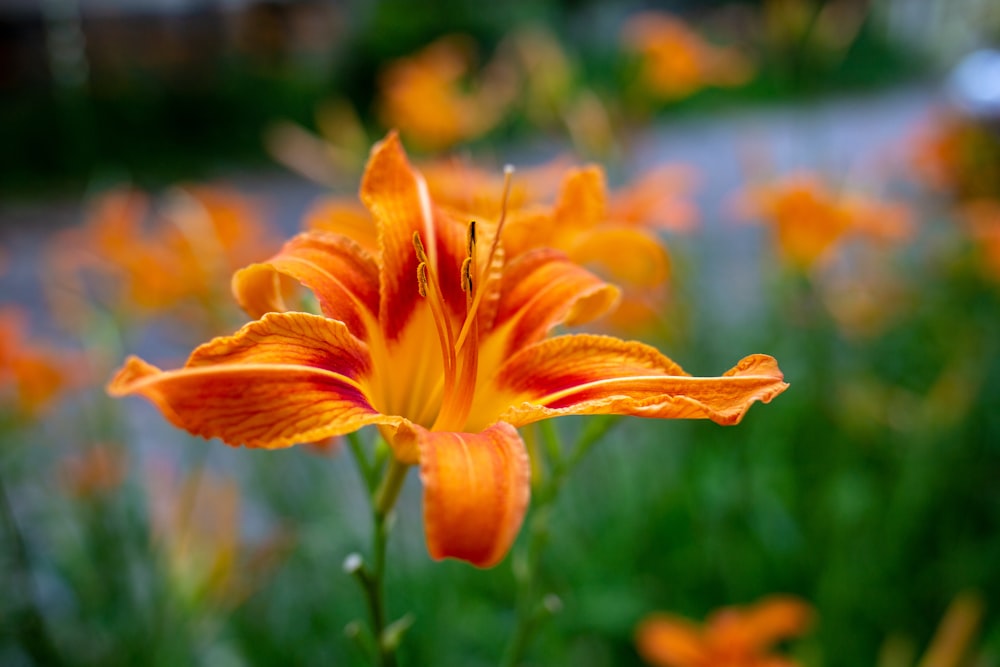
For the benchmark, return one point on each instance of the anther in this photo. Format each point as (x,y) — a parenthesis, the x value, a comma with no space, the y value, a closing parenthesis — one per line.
(418,245)
(467,275)
(422,278)
(472,237)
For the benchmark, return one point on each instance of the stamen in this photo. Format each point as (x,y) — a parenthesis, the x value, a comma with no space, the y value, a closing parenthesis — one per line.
(470,315)
(429,287)
(418,245)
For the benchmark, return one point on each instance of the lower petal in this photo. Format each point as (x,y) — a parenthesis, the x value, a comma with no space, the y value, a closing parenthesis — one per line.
(476,492)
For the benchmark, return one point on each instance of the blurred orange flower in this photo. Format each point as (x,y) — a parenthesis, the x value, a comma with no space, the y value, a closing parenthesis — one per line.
(675,61)
(430,98)
(32,374)
(810,221)
(440,339)
(731,637)
(982,220)
(194,242)
(957,156)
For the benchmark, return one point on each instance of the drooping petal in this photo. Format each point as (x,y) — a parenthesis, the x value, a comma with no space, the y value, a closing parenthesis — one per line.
(543,288)
(476,492)
(664,640)
(342,275)
(284,379)
(588,374)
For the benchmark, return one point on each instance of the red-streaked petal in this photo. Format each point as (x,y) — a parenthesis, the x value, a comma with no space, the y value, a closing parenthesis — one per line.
(664,640)
(285,379)
(587,374)
(398,199)
(342,275)
(476,492)
(543,288)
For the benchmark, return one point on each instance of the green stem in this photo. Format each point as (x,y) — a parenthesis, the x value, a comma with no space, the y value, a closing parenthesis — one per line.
(373,580)
(367,469)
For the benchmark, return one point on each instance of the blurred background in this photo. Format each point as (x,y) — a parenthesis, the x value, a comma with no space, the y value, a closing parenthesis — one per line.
(819,180)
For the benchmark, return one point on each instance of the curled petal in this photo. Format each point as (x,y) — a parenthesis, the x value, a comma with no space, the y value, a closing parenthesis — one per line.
(341,274)
(587,374)
(542,289)
(476,492)
(285,379)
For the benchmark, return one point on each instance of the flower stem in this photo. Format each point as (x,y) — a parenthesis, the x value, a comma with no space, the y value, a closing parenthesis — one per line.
(372,579)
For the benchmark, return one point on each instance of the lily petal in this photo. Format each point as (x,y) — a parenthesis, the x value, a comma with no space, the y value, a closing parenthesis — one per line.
(541,289)
(284,379)
(777,617)
(342,275)
(582,200)
(588,374)
(626,255)
(398,199)
(346,216)
(476,492)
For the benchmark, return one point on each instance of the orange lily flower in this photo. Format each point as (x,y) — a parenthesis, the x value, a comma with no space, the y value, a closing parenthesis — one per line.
(732,636)
(676,62)
(440,339)
(423,95)
(614,232)
(811,221)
